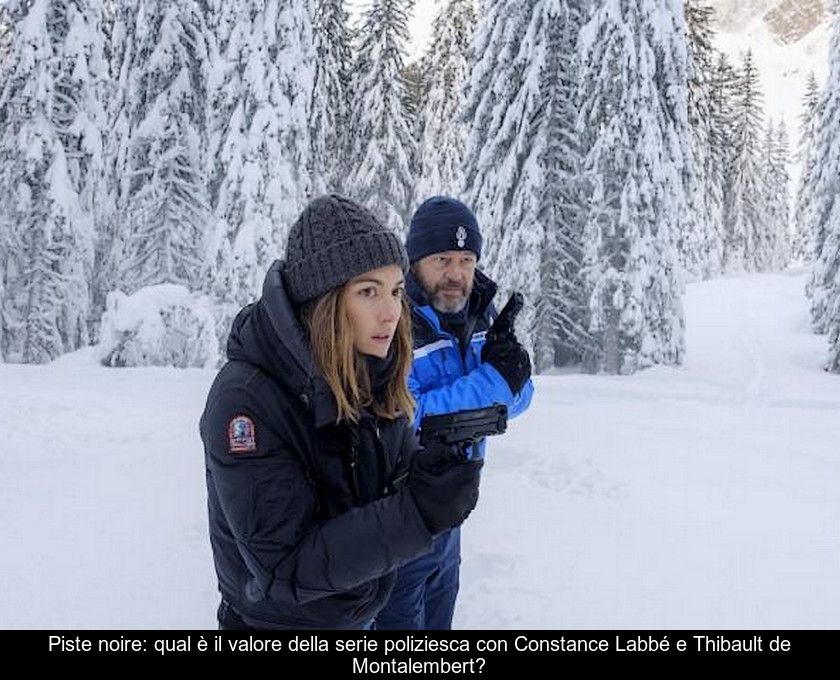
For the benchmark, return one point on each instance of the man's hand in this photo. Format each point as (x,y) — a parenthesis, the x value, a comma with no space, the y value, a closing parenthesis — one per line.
(510,359)
(503,326)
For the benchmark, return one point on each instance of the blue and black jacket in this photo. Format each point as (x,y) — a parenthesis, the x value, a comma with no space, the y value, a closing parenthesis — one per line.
(447,373)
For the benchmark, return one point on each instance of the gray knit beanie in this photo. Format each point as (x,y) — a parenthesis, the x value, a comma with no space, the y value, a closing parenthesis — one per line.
(333,241)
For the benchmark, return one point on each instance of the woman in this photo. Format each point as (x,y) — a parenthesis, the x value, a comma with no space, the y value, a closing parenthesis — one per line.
(315,495)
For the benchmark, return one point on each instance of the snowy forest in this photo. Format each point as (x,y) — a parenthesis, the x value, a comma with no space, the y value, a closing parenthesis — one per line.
(153,156)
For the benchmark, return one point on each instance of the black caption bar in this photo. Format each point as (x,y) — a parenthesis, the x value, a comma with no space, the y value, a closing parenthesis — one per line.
(426,652)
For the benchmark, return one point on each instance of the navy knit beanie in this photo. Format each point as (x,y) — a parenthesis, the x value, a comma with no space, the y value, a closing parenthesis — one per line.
(442,223)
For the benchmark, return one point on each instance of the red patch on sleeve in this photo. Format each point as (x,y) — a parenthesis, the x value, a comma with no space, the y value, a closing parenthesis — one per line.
(242,436)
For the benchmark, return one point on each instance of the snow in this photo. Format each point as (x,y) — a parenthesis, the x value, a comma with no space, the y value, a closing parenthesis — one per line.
(704,496)
(679,498)
(161,325)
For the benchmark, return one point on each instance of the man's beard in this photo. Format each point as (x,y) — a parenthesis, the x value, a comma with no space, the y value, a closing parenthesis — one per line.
(448,305)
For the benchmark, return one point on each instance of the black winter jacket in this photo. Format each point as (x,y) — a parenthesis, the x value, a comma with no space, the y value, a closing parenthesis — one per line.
(307,518)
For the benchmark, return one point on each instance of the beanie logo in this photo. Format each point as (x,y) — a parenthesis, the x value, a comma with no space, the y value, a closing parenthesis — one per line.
(461,236)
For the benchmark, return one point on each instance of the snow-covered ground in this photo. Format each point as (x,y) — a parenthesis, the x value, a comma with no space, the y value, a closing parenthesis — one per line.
(701,497)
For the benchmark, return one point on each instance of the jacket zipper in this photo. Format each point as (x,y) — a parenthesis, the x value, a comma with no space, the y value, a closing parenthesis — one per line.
(354,476)
(380,449)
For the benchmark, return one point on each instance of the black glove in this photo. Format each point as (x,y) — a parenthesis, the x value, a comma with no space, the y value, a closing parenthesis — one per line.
(444,486)
(510,359)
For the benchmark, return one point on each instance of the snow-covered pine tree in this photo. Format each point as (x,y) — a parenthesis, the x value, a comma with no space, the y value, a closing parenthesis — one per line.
(497,111)
(118,23)
(523,168)
(8,226)
(330,96)
(80,116)
(442,133)
(412,75)
(634,83)
(781,199)
(701,248)
(225,277)
(383,148)
(223,284)
(51,124)
(772,251)
(833,363)
(724,86)
(764,243)
(162,204)
(744,199)
(561,314)
(6,36)
(413,94)
(823,215)
(801,248)
(260,144)
(109,15)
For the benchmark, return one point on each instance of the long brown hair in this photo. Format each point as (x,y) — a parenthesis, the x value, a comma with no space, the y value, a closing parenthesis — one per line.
(345,369)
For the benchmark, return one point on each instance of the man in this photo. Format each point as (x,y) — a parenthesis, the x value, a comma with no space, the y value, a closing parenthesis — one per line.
(454,369)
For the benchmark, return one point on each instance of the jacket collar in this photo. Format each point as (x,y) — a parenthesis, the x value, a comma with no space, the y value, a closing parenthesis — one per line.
(270,335)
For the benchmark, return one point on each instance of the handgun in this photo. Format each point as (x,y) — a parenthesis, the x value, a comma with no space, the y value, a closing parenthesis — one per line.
(463,428)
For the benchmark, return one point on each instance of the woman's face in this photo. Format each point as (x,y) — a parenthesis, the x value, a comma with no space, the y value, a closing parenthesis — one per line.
(373,302)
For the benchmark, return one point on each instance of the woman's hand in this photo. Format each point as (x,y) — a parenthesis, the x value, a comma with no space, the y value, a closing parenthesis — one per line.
(444,486)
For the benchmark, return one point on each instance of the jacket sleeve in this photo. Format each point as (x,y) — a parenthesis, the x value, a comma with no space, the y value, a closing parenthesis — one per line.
(268,502)
(521,401)
(481,387)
